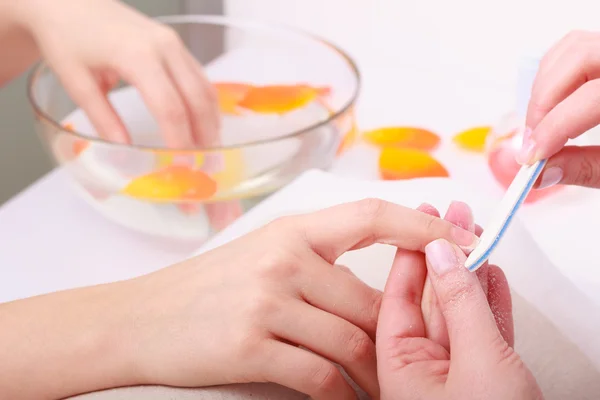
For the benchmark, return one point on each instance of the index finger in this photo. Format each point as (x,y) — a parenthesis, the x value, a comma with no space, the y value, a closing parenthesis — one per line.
(335,230)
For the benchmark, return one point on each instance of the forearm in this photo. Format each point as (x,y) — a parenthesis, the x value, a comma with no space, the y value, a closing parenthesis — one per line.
(66,343)
(17,46)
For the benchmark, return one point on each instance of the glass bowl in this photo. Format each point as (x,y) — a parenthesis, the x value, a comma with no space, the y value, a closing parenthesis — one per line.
(286,100)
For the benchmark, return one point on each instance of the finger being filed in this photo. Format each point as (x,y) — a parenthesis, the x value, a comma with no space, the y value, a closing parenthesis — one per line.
(335,230)
(461,215)
(333,338)
(500,302)
(569,119)
(87,93)
(573,165)
(305,372)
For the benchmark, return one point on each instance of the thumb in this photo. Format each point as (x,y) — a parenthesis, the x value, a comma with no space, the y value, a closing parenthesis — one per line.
(573,165)
(471,325)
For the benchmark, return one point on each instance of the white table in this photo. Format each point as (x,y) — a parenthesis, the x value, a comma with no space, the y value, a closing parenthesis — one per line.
(52,240)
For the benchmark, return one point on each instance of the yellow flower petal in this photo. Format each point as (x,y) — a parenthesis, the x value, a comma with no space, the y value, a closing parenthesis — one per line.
(473,139)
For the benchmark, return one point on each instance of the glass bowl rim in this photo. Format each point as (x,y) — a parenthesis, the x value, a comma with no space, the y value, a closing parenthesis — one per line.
(243,23)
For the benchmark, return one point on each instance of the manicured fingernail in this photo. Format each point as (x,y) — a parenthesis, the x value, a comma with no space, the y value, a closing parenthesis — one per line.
(464,239)
(441,256)
(550,177)
(467,221)
(527,153)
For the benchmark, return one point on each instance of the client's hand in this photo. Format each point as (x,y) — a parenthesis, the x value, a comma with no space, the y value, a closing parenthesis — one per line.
(457,347)
(93,44)
(268,307)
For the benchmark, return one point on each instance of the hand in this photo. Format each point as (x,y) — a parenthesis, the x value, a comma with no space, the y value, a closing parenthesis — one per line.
(93,44)
(476,361)
(268,307)
(259,298)
(564,105)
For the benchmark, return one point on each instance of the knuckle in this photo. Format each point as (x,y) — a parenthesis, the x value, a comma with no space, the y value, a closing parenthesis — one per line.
(457,295)
(506,354)
(166,38)
(132,56)
(280,225)
(325,378)
(410,350)
(371,310)
(248,344)
(360,346)
(371,209)
(278,263)
(588,173)
(262,305)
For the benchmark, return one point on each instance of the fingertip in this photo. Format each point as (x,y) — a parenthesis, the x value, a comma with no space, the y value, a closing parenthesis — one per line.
(443,257)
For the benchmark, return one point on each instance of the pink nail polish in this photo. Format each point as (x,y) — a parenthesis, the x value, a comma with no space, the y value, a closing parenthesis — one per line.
(441,256)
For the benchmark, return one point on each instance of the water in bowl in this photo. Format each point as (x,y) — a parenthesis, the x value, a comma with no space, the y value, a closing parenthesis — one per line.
(136,186)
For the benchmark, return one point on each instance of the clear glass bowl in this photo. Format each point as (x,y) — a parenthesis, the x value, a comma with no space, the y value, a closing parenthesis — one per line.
(265,143)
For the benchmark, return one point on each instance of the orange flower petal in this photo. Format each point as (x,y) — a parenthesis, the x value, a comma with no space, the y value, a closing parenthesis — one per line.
(473,139)
(176,182)
(229,94)
(401,136)
(278,99)
(397,163)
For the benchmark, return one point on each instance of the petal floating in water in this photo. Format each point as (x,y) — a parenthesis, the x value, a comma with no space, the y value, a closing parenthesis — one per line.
(473,139)
(172,183)
(402,136)
(397,163)
(278,99)
(229,94)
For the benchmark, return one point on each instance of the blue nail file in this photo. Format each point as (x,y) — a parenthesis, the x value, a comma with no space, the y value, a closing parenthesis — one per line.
(512,200)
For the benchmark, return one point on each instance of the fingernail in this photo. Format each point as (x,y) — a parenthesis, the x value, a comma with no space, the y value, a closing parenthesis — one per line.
(468,221)
(550,177)
(464,239)
(527,153)
(441,256)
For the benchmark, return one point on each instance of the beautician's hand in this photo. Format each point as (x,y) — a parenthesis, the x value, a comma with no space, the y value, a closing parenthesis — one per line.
(466,356)
(564,105)
(92,44)
(268,307)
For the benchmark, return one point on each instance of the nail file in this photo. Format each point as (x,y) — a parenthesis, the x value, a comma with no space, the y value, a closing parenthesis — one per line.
(512,200)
